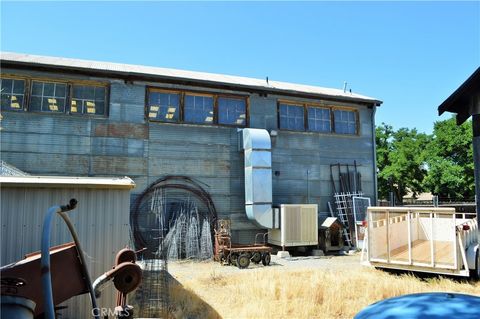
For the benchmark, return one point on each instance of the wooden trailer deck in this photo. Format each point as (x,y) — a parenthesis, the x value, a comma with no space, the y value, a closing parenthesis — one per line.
(443,252)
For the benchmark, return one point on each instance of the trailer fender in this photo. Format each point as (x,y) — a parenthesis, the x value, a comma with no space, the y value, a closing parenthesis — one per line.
(471,255)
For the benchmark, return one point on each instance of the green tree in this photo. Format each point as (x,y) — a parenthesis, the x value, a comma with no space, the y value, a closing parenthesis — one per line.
(450,161)
(400,161)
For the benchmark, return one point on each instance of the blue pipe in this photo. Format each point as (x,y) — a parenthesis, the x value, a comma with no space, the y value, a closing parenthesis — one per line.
(45,263)
(45,259)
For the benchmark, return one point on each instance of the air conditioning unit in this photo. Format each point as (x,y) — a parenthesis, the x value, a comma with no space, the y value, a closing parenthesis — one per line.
(298,226)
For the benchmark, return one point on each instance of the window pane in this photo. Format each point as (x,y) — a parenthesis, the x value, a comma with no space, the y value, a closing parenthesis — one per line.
(48,97)
(198,109)
(345,122)
(7,86)
(292,117)
(48,89)
(61,90)
(318,119)
(231,111)
(18,87)
(88,99)
(163,106)
(12,94)
(37,88)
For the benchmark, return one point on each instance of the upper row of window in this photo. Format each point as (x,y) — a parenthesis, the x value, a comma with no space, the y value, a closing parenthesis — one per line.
(304,117)
(197,108)
(54,97)
(169,106)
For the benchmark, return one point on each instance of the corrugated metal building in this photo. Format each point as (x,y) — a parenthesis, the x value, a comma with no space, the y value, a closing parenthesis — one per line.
(74,117)
(101,220)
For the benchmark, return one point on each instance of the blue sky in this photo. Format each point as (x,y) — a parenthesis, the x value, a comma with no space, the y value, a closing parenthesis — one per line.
(411,55)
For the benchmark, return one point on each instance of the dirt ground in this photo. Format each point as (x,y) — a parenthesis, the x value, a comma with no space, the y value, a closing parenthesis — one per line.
(300,287)
(181,270)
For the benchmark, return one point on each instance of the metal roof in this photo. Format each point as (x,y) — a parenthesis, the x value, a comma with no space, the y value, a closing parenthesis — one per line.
(128,70)
(460,101)
(67,181)
(10,170)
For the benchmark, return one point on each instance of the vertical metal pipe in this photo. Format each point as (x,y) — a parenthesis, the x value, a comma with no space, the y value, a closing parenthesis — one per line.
(454,242)
(432,249)
(409,238)
(476,162)
(387,225)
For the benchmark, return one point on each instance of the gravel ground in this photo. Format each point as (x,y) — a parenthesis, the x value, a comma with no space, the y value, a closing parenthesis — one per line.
(182,270)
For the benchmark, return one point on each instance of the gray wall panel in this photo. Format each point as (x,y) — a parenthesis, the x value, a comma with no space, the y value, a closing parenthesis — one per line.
(125,143)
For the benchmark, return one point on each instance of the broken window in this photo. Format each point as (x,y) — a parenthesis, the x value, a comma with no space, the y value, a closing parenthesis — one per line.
(88,99)
(48,97)
(12,94)
(345,122)
(292,117)
(318,119)
(232,111)
(198,109)
(163,106)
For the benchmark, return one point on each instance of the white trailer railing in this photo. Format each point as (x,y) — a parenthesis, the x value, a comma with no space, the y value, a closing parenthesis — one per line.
(420,239)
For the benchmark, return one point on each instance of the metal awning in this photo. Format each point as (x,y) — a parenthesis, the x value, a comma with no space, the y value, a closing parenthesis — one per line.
(67,181)
(465,101)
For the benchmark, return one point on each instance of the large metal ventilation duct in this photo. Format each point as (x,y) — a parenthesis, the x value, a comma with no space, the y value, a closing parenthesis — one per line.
(258,176)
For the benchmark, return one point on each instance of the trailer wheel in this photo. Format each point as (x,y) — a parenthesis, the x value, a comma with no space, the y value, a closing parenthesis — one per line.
(233,259)
(256,257)
(266,259)
(243,261)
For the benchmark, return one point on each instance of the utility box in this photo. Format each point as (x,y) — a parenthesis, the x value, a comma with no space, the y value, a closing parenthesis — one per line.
(298,226)
(330,235)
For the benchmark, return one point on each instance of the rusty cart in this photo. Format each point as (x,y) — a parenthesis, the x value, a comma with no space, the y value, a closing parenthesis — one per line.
(228,253)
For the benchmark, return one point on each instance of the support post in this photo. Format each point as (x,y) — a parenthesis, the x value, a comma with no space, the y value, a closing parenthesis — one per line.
(476,162)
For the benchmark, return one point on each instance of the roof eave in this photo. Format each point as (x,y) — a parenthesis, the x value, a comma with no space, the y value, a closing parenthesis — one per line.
(455,103)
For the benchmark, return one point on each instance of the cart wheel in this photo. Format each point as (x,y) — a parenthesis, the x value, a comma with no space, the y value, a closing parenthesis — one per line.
(233,259)
(266,259)
(243,261)
(256,257)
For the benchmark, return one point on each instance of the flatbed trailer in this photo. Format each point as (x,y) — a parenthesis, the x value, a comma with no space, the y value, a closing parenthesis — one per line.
(238,255)
(423,239)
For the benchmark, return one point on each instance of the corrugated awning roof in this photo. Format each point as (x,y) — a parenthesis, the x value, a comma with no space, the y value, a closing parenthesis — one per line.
(460,101)
(128,70)
(67,181)
(10,170)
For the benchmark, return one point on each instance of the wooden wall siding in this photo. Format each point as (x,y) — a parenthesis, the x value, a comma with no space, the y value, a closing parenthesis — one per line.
(125,143)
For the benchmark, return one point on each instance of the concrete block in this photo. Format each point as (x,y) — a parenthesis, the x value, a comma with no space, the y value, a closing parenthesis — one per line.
(283,254)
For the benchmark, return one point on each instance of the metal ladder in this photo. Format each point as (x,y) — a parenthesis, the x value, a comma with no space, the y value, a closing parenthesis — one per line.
(340,201)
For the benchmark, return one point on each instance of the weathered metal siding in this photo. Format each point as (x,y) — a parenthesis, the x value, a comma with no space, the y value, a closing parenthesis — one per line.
(125,143)
(101,220)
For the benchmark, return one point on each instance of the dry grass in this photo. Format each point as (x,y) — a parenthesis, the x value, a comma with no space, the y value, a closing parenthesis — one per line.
(269,293)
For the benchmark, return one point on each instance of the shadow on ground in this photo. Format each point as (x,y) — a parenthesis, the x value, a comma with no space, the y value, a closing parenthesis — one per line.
(184,303)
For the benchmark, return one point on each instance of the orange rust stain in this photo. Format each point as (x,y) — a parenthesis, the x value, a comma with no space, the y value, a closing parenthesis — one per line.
(127,130)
